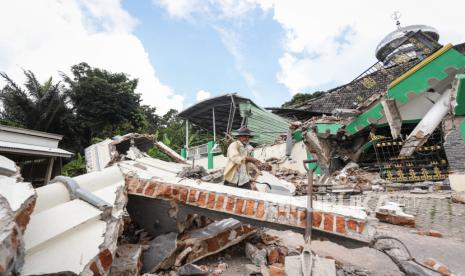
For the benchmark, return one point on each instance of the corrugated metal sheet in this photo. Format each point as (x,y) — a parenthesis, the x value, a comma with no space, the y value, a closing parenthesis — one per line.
(33,149)
(265,125)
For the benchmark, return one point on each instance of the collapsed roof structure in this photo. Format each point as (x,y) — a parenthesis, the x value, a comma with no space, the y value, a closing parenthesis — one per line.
(86,212)
(389,118)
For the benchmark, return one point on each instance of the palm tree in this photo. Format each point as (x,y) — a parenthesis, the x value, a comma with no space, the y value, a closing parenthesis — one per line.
(36,106)
(44,107)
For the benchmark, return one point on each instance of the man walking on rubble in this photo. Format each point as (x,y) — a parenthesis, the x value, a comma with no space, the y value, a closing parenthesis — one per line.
(235,172)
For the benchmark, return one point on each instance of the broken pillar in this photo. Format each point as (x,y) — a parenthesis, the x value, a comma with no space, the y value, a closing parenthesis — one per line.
(17,201)
(160,254)
(427,125)
(393,116)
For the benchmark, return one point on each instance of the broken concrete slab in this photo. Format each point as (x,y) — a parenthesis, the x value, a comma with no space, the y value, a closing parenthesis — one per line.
(293,266)
(393,213)
(127,260)
(323,267)
(276,185)
(255,255)
(170,152)
(160,254)
(7,166)
(191,270)
(223,201)
(214,238)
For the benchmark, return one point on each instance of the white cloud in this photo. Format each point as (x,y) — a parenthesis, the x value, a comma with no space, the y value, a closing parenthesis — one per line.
(313,55)
(203,95)
(231,40)
(178,8)
(50,36)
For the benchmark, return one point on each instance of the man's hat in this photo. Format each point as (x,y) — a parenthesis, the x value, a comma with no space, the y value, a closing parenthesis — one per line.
(243,131)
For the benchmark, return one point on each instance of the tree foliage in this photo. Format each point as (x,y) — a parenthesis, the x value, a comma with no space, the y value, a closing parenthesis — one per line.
(104,103)
(300,98)
(89,105)
(37,106)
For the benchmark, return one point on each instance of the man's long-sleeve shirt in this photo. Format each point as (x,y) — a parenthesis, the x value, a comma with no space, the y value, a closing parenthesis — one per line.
(236,169)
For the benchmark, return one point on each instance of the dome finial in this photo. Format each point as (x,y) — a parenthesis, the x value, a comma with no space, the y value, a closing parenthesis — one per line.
(396,16)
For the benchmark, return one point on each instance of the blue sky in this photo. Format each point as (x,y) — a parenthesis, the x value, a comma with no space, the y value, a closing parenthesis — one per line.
(190,55)
(185,50)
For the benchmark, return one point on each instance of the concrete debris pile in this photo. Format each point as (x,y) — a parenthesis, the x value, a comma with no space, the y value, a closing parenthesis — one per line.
(298,179)
(353,179)
(173,218)
(174,253)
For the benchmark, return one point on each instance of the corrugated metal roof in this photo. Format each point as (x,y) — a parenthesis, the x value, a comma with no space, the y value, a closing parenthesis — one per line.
(265,125)
(31,132)
(11,147)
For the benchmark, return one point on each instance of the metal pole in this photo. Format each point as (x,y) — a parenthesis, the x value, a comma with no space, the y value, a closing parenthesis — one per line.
(214,126)
(308,229)
(306,257)
(187,134)
(48,174)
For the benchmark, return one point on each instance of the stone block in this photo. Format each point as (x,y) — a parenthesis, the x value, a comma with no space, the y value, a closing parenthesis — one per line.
(127,260)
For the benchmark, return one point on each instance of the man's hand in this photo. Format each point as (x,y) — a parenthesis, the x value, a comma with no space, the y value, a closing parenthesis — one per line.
(253,160)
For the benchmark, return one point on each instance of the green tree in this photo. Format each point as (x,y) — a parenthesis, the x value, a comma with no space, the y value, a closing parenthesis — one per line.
(37,106)
(104,103)
(300,98)
(153,120)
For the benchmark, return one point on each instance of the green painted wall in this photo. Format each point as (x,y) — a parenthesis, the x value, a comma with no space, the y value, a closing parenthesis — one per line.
(415,83)
(265,125)
(332,128)
(418,81)
(210,145)
(311,166)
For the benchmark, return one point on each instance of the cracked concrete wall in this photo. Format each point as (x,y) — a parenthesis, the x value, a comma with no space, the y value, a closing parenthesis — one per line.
(278,209)
(454,144)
